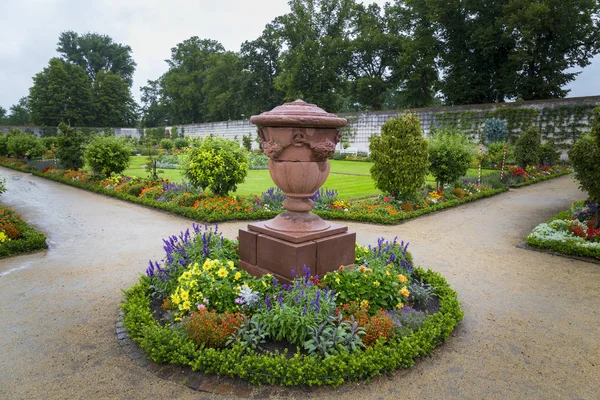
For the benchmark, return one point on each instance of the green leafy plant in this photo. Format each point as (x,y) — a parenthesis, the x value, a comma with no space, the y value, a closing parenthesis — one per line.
(70,147)
(400,157)
(107,155)
(180,143)
(495,131)
(549,155)
(335,336)
(3,145)
(495,154)
(585,158)
(247,142)
(421,293)
(24,145)
(167,144)
(217,164)
(450,156)
(527,147)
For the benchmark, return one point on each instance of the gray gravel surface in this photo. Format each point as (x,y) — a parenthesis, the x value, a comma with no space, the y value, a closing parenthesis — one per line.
(531,327)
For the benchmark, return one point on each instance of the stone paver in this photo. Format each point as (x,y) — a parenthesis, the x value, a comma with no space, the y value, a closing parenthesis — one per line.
(531,327)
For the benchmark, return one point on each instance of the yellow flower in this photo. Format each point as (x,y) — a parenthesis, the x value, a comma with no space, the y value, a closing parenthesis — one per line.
(404,292)
(185,305)
(362,268)
(3,237)
(263,283)
(390,266)
(376,283)
(185,295)
(399,305)
(222,272)
(231,266)
(175,299)
(206,265)
(337,280)
(237,276)
(402,278)
(369,270)
(365,276)
(364,303)
(387,273)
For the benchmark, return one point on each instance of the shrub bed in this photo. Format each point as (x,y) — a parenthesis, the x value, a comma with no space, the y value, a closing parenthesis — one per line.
(182,199)
(199,309)
(16,236)
(570,232)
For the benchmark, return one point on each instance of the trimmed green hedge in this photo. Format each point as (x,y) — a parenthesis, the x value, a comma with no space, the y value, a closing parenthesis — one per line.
(541,179)
(164,345)
(30,241)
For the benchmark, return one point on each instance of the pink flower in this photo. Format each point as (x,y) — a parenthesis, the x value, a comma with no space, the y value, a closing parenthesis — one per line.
(201,307)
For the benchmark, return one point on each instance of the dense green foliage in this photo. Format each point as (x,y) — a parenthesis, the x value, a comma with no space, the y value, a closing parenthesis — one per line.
(70,147)
(217,164)
(494,154)
(585,158)
(549,155)
(24,145)
(107,155)
(495,131)
(527,147)
(400,157)
(16,236)
(450,156)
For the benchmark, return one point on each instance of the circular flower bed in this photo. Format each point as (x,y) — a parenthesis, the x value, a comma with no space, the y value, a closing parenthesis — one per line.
(198,308)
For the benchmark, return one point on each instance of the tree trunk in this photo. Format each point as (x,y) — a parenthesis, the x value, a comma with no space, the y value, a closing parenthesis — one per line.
(597,217)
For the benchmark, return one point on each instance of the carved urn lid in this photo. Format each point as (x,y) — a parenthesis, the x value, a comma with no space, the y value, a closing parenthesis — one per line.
(298,114)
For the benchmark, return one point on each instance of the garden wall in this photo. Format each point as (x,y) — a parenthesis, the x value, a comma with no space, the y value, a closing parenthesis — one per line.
(561,119)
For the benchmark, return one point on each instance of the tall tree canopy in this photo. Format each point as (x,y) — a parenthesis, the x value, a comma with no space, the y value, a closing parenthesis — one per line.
(62,92)
(94,53)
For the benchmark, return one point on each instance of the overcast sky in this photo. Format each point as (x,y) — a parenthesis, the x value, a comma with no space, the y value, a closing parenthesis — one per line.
(30,28)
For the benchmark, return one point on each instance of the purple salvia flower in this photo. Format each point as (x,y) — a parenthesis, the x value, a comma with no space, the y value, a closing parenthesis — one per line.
(268,302)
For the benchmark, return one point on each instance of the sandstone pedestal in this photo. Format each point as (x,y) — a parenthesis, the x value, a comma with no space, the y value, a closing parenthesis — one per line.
(298,138)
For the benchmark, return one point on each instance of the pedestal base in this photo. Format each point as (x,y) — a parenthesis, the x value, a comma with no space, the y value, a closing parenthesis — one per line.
(263,250)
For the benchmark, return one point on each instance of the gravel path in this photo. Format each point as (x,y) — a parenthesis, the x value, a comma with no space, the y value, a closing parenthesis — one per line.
(531,327)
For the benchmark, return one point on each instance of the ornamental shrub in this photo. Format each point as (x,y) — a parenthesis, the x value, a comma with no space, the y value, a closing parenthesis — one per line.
(450,156)
(585,158)
(210,328)
(24,145)
(107,155)
(3,145)
(70,146)
(549,155)
(495,154)
(399,155)
(495,131)
(166,144)
(217,164)
(527,147)
(180,143)
(48,141)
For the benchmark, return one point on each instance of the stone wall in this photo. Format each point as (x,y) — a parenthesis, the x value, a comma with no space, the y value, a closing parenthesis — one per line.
(562,123)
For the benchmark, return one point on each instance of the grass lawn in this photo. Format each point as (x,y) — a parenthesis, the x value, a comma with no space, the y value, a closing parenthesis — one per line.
(351,179)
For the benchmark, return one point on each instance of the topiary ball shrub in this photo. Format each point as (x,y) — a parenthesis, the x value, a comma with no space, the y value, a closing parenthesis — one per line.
(217,164)
(400,156)
(107,155)
(450,156)
(527,147)
(198,308)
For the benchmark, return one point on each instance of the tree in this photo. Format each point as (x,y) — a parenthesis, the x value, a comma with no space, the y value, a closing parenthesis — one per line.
(70,146)
(217,164)
(61,92)
(450,156)
(222,87)
(374,52)
(182,85)
(19,113)
(94,53)
(315,34)
(2,115)
(584,155)
(107,155)
(548,39)
(400,157)
(260,59)
(153,111)
(113,102)
(527,147)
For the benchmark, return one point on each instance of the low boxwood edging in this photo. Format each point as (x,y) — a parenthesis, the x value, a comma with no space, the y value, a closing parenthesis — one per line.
(555,235)
(164,345)
(31,240)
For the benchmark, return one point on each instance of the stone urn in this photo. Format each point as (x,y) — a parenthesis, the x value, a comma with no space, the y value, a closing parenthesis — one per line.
(298,138)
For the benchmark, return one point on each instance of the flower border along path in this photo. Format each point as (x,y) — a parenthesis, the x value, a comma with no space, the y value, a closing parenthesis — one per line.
(569,233)
(218,209)
(16,236)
